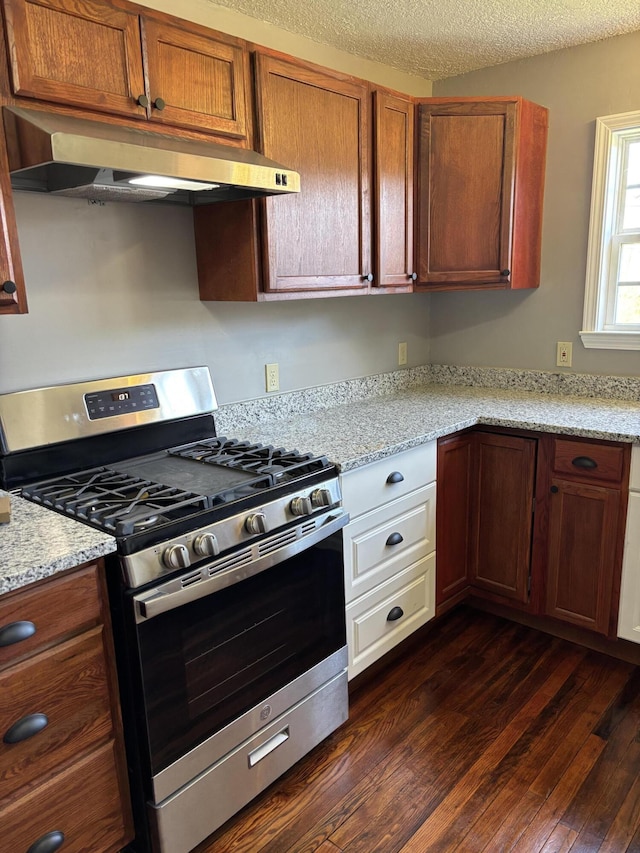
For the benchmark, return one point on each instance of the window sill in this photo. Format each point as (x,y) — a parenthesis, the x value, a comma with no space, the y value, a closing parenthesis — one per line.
(611,340)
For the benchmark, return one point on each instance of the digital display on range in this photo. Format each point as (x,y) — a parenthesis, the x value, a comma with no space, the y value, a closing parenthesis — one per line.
(121,401)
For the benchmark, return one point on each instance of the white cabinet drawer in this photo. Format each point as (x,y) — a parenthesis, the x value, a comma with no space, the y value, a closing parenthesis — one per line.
(367,488)
(370,633)
(382,543)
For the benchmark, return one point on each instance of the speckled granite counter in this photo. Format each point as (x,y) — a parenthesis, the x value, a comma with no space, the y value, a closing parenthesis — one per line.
(38,543)
(355,433)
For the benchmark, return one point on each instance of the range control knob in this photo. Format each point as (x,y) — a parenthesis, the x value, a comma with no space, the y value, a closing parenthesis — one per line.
(301,506)
(256,523)
(206,545)
(176,557)
(321,497)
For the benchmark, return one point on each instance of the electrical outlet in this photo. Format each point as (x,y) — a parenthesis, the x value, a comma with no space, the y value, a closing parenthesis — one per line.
(272,376)
(564,354)
(402,353)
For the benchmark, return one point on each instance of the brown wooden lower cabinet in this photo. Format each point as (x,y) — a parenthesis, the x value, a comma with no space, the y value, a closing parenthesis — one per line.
(63,778)
(532,521)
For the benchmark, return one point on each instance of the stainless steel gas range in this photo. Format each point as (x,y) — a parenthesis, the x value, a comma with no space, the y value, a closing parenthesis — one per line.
(226,591)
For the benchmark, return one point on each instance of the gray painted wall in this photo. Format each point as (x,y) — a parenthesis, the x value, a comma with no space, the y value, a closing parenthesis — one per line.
(113,290)
(521,329)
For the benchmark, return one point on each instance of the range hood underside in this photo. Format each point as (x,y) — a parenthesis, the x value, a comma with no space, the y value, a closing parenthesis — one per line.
(83,158)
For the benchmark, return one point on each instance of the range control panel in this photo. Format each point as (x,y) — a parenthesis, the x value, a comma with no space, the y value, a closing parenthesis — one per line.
(120,401)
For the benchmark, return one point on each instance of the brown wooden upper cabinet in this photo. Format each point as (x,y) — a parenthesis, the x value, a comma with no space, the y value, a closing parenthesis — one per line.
(108,57)
(481,165)
(330,240)
(393,192)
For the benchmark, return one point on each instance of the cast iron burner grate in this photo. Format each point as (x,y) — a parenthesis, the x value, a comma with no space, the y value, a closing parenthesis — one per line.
(278,463)
(115,501)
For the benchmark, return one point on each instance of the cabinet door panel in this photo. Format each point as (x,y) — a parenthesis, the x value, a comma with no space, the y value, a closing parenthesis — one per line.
(319,239)
(582,553)
(467,160)
(455,470)
(200,79)
(80,52)
(393,129)
(502,517)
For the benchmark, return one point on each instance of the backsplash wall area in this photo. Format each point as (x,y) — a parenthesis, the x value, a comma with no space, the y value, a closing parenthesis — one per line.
(113,290)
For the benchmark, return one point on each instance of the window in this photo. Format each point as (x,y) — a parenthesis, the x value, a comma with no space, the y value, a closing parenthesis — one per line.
(612,293)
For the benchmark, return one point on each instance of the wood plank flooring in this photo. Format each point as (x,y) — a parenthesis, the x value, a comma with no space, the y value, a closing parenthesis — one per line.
(489,736)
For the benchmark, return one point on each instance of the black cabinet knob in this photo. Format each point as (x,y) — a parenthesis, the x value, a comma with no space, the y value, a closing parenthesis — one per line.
(554,490)
(395,477)
(49,843)
(394,539)
(142,101)
(368,277)
(159,104)
(505,273)
(16,632)
(395,613)
(413,276)
(25,728)
(9,286)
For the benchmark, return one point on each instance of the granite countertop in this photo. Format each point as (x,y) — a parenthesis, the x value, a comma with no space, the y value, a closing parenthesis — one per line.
(359,432)
(38,543)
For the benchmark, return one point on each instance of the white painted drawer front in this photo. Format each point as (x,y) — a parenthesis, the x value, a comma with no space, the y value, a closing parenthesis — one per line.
(369,632)
(369,560)
(367,488)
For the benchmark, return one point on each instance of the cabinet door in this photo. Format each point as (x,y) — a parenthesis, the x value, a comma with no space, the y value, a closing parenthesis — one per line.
(13,298)
(583,532)
(502,515)
(393,192)
(81,52)
(480,189)
(318,124)
(455,470)
(199,77)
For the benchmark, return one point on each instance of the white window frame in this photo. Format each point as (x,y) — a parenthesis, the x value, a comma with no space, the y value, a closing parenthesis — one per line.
(612,133)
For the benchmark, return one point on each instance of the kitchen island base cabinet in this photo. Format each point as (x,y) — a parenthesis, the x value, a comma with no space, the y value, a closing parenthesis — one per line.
(389,552)
(62,763)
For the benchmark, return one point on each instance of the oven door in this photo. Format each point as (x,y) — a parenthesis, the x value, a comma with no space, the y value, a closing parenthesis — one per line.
(224,656)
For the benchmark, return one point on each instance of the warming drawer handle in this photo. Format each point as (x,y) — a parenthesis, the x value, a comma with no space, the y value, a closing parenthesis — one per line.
(585,462)
(268,747)
(16,632)
(49,843)
(25,728)
(395,539)
(395,613)
(395,477)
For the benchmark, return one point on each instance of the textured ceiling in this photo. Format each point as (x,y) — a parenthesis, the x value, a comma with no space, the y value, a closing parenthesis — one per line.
(442,38)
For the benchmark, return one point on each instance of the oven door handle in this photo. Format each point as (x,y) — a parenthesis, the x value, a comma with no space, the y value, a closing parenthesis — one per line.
(167,597)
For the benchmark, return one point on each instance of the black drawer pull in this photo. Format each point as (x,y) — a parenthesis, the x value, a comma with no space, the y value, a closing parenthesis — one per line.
(49,843)
(554,490)
(394,539)
(395,477)
(395,613)
(16,632)
(584,462)
(25,728)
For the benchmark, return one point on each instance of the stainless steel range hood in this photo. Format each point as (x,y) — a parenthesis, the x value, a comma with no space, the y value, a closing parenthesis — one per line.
(82,158)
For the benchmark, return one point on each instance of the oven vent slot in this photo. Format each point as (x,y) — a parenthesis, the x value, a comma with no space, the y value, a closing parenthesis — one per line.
(240,558)
(194,577)
(277,542)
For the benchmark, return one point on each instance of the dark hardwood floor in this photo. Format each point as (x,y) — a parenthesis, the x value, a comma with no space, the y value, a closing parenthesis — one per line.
(489,736)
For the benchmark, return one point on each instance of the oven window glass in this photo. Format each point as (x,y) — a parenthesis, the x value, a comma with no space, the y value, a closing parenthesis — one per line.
(207,662)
